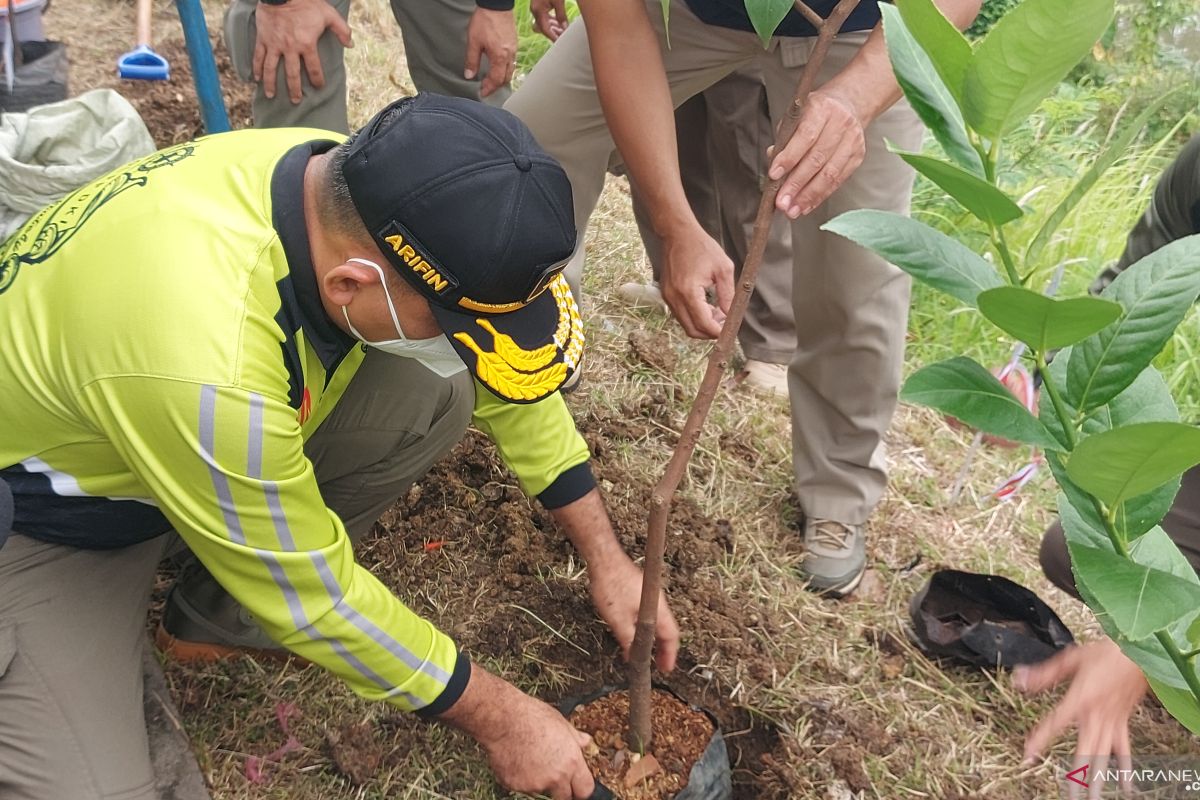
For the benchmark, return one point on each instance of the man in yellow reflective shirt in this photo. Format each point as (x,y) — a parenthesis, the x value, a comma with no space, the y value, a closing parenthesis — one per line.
(258,340)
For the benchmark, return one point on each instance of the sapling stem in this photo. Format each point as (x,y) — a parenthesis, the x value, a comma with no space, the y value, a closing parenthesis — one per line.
(640,733)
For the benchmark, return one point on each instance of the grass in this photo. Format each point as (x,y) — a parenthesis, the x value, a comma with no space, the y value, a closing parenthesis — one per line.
(852,701)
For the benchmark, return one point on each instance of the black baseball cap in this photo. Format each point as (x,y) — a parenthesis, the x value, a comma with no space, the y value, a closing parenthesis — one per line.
(479,220)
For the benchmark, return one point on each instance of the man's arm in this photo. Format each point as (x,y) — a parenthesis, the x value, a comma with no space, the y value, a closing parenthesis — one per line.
(539,443)
(637,104)
(227,467)
(614,580)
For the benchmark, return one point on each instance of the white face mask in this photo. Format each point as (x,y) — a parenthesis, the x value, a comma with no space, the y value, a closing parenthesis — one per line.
(436,353)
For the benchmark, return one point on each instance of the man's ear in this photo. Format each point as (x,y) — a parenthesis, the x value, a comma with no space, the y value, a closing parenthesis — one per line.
(342,283)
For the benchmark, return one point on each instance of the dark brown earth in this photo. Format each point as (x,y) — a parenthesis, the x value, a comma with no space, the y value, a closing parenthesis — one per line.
(681,734)
(170,108)
(502,550)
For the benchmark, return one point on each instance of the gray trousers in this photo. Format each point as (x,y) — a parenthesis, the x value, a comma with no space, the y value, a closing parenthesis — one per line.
(73,622)
(722,136)
(435,36)
(850,306)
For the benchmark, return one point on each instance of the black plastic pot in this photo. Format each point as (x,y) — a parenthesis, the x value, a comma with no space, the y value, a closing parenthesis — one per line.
(710,778)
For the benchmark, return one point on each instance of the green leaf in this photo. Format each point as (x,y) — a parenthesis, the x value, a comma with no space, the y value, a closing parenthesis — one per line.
(1132,518)
(1024,57)
(1139,600)
(1156,293)
(765,16)
(983,199)
(1115,150)
(1148,653)
(1131,460)
(926,93)
(965,390)
(1042,322)
(1180,703)
(1082,526)
(944,44)
(928,255)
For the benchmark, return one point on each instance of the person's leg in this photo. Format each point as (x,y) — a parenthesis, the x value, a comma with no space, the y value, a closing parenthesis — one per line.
(850,309)
(435,37)
(558,99)
(739,158)
(72,629)
(395,420)
(319,108)
(1182,524)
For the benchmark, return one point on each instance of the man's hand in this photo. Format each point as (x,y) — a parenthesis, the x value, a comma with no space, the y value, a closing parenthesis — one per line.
(290,32)
(694,263)
(550,25)
(494,34)
(530,746)
(826,148)
(1105,689)
(617,593)
(615,581)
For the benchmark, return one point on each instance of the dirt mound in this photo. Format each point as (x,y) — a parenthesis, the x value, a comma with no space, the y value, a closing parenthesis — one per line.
(469,523)
(170,108)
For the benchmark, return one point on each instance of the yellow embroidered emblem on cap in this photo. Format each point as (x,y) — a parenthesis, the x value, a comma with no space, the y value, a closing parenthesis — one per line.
(520,358)
(492,369)
(520,374)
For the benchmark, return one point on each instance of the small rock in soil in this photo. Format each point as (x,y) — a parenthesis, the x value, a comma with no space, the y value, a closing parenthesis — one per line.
(356,751)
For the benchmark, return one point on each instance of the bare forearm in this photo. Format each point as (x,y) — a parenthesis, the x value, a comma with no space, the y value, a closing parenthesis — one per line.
(588,527)
(632,85)
(868,82)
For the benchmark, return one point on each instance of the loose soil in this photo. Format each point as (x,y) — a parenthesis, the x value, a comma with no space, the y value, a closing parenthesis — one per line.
(501,550)
(170,108)
(681,734)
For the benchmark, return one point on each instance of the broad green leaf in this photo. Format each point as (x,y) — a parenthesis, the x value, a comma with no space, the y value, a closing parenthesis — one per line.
(1156,293)
(965,390)
(1024,56)
(983,199)
(1042,322)
(1133,517)
(926,92)
(1148,653)
(1156,551)
(765,16)
(1115,150)
(1139,600)
(928,255)
(1081,527)
(945,45)
(1128,461)
(1180,703)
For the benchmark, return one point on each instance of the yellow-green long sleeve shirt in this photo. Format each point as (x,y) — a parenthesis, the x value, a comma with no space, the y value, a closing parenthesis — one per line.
(164,356)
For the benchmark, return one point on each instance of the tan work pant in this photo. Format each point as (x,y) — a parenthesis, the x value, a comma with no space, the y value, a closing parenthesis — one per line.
(73,622)
(435,38)
(850,306)
(722,136)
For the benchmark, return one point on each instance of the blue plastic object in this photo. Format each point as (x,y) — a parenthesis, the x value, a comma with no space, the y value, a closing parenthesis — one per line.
(143,64)
(204,66)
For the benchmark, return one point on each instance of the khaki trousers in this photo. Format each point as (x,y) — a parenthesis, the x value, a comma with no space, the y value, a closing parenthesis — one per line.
(435,36)
(850,306)
(722,135)
(73,622)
